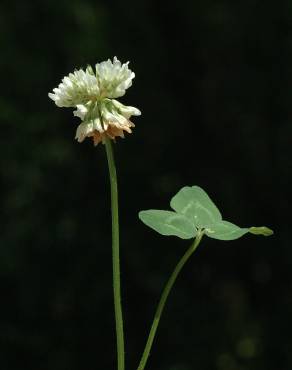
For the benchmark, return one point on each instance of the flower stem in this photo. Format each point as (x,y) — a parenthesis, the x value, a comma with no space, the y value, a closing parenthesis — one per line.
(164,297)
(116,255)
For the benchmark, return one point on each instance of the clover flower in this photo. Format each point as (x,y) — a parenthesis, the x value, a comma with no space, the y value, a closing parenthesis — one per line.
(93,93)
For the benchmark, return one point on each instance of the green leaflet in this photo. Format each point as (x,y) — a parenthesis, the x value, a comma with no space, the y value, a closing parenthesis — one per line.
(195,211)
(225,230)
(168,223)
(195,203)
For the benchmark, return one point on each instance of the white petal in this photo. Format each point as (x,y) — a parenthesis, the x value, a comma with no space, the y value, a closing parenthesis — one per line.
(76,88)
(96,124)
(83,130)
(114,77)
(126,111)
(81,111)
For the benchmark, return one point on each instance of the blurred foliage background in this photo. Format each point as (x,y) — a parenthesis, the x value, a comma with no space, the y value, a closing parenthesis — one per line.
(213,82)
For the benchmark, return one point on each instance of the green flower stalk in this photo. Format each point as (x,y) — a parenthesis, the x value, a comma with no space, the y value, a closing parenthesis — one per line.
(116,255)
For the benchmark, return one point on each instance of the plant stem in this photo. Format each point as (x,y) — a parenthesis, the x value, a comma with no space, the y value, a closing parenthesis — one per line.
(116,255)
(164,297)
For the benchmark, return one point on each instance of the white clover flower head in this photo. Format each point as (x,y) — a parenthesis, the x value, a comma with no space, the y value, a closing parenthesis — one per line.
(93,95)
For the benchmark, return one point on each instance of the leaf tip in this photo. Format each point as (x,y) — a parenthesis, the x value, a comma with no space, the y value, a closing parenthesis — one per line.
(261,230)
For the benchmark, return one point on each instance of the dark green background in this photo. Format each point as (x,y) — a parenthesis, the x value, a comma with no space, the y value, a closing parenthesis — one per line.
(213,82)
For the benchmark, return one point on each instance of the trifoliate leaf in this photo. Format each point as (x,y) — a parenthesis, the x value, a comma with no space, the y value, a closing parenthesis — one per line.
(261,230)
(168,223)
(195,212)
(224,230)
(195,204)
